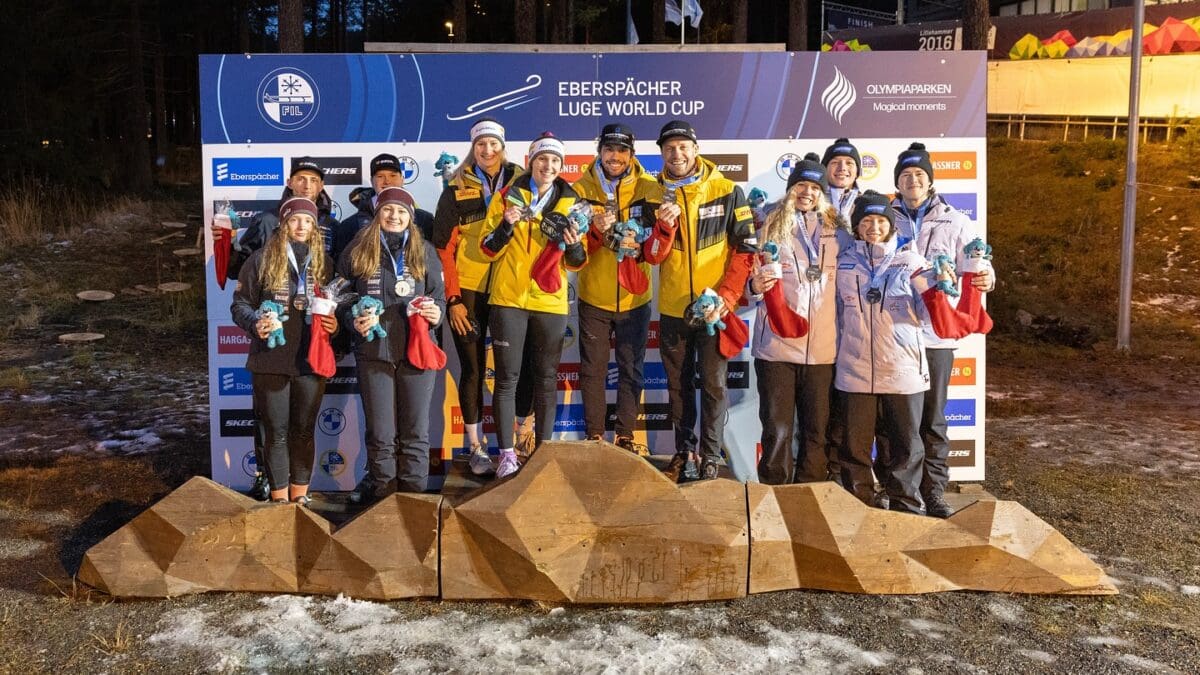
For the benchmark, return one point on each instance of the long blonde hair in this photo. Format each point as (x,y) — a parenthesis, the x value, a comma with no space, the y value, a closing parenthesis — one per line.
(366,248)
(778,227)
(273,275)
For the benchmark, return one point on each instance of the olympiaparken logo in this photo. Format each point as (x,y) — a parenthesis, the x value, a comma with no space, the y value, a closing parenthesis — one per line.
(839,96)
(288,99)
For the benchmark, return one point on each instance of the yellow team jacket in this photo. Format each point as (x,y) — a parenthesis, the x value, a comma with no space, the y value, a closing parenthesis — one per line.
(715,225)
(512,280)
(638,195)
(457,225)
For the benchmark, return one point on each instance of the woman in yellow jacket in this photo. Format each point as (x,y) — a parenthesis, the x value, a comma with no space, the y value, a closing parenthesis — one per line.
(532,245)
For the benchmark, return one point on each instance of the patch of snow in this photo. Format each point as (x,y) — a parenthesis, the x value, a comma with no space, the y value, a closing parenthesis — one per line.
(1106,641)
(289,632)
(1006,610)
(1142,663)
(1188,589)
(1037,655)
(16,549)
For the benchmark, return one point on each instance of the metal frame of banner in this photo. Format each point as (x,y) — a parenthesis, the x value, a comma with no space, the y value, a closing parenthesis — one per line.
(441,48)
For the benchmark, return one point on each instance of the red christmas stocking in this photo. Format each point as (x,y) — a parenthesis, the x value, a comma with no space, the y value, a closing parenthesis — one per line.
(735,336)
(784,322)
(631,277)
(422,353)
(971,304)
(320,352)
(947,322)
(545,269)
(221,247)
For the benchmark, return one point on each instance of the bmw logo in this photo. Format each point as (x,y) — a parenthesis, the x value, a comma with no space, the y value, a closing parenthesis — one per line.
(335,210)
(410,168)
(333,463)
(331,421)
(250,464)
(784,165)
(288,99)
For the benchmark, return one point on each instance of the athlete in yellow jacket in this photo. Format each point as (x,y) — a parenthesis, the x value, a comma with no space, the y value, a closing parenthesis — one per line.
(529,288)
(614,296)
(702,239)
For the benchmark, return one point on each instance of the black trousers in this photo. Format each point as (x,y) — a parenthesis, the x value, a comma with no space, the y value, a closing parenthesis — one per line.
(472,360)
(530,343)
(287,407)
(596,327)
(899,416)
(934,438)
(687,352)
(396,403)
(787,392)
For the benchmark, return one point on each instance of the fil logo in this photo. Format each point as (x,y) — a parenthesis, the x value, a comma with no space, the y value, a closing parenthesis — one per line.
(223,171)
(409,168)
(507,100)
(839,96)
(288,99)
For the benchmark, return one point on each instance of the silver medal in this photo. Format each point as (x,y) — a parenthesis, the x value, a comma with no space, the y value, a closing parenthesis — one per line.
(874,296)
(403,288)
(813,273)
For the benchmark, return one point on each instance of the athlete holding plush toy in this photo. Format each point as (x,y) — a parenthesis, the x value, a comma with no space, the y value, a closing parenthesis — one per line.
(398,276)
(273,304)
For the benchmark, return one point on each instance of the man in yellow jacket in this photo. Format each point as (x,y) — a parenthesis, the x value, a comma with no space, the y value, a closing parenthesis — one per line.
(702,238)
(614,288)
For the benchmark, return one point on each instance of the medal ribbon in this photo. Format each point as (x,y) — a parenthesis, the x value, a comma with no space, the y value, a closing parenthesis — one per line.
(487,185)
(673,185)
(301,274)
(807,239)
(397,264)
(915,218)
(878,271)
(539,202)
(609,186)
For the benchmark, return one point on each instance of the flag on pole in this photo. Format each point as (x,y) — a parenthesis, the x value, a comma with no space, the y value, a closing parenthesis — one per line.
(691,10)
(631,34)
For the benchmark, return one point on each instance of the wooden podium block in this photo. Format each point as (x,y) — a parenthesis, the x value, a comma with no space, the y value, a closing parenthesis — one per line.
(205,537)
(819,536)
(588,522)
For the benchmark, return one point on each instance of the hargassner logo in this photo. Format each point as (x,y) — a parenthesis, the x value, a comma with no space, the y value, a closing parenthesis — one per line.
(249,171)
(507,100)
(839,96)
(288,99)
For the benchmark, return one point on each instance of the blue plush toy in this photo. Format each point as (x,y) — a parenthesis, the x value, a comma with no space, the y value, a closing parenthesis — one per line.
(580,215)
(368,306)
(623,230)
(757,198)
(943,266)
(978,249)
(771,250)
(270,309)
(702,306)
(445,165)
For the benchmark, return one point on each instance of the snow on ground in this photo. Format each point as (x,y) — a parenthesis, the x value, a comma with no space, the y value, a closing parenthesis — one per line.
(1166,448)
(293,632)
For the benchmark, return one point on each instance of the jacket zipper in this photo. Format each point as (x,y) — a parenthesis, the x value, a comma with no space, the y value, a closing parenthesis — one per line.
(683,231)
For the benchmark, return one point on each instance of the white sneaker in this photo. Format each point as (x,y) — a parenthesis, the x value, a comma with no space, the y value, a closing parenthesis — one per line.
(480,461)
(508,464)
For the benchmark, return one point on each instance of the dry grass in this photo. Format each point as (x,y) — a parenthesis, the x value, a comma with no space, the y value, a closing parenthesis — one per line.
(31,211)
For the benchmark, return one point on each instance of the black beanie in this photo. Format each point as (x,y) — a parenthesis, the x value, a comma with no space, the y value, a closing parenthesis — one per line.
(871,203)
(809,169)
(916,155)
(842,147)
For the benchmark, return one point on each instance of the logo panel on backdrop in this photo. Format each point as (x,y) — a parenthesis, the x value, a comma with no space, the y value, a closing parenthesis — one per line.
(756,115)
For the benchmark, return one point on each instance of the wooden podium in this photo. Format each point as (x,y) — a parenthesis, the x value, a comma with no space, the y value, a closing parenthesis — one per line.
(585,522)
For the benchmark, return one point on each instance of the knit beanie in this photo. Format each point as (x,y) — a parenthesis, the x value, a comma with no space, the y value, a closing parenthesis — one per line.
(486,126)
(546,143)
(809,169)
(842,147)
(871,203)
(296,205)
(916,155)
(395,195)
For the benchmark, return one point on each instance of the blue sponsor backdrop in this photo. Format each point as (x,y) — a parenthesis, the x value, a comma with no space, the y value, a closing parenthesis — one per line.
(234,382)
(298,98)
(965,202)
(249,171)
(960,412)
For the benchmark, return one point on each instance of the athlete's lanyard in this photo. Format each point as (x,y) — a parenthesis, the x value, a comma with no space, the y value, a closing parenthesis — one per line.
(915,217)
(488,184)
(609,186)
(845,196)
(878,271)
(809,247)
(397,263)
(539,202)
(301,273)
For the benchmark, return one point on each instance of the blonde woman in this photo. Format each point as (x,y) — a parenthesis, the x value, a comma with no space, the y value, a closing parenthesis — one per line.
(287,271)
(799,245)
(389,261)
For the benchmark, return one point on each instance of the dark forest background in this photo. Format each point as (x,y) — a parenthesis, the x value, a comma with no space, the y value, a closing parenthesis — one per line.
(104,93)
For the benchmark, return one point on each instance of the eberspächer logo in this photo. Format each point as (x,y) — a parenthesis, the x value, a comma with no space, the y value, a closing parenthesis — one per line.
(839,96)
(288,99)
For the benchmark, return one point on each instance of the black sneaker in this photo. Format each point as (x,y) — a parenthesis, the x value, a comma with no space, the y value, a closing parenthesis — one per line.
(708,469)
(691,469)
(936,507)
(676,465)
(636,448)
(363,492)
(261,489)
(881,500)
